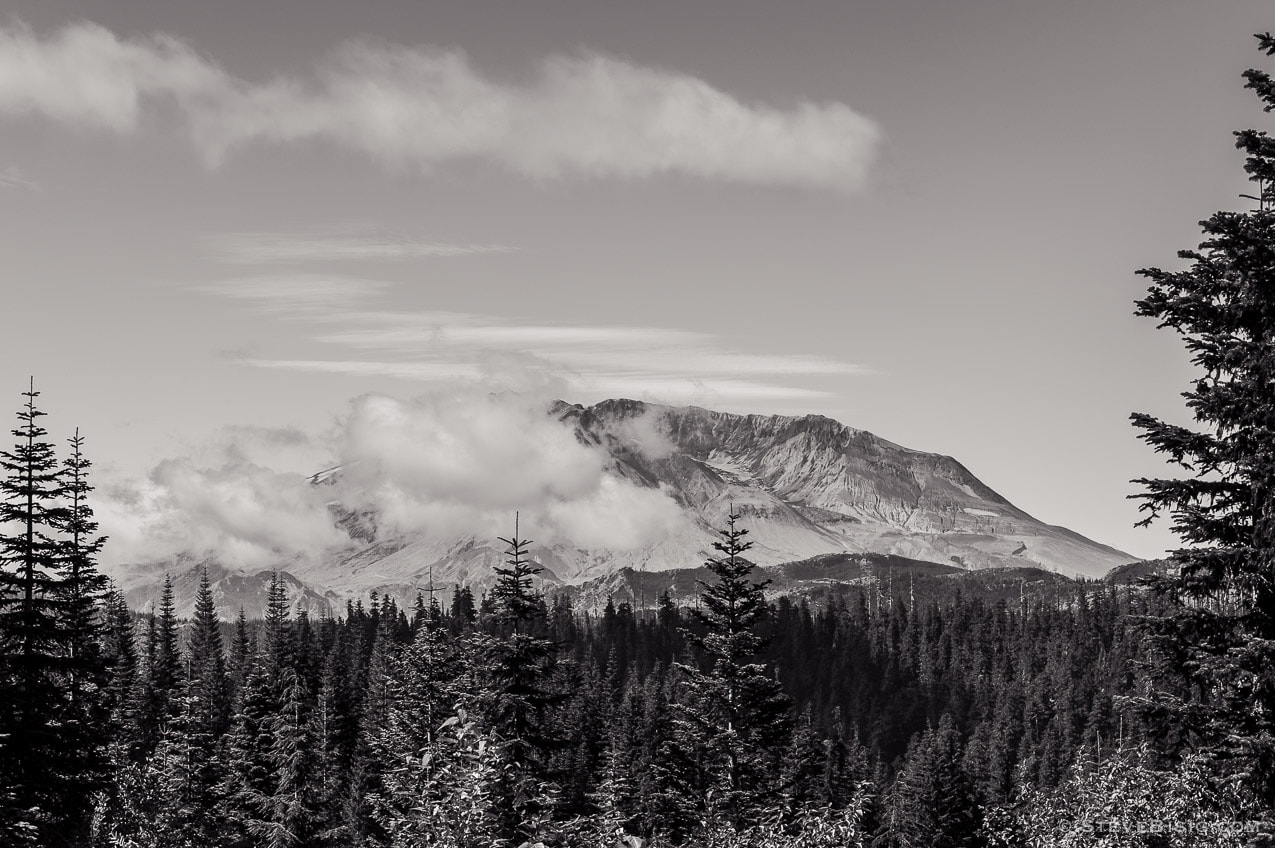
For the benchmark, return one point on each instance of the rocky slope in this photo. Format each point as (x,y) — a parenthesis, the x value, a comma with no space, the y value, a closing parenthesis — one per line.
(805,486)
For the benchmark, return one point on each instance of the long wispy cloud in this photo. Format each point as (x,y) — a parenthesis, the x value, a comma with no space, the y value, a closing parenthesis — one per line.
(287,248)
(12,177)
(584,115)
(348,315)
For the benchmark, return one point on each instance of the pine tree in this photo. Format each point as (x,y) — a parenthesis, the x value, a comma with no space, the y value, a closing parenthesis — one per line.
(120,652)
(251,780)
(462,611)
(163,678)
(82,588)
(207,681)
(79,592)
(1220,635)
(426,692)
(374,716)
(933,804)
(32,638)
(733,719)
(204,719)
(336,734)
(277,646)
(121,699)
(291,812)
(521,666)
(242,648)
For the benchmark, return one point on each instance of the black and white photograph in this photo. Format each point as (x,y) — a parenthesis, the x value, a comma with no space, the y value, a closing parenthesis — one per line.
(578,424)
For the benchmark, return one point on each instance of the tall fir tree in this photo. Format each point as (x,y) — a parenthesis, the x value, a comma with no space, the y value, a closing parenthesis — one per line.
(205,720)
(80,591)
(521,665)
(161,684)
(733,719)
(933,804)
(32,634)
(1219,636)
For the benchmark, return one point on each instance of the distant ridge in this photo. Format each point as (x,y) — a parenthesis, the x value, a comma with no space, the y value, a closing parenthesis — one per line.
(807,487)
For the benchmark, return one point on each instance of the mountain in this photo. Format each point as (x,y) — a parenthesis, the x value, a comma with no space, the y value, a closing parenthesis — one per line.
(805,487)
(232,590)
(883,576)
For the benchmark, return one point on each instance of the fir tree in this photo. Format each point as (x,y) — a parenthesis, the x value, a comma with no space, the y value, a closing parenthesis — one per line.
(163,679)
(733,720)
(291,811)
(934,805)
(208,683)
(1220,635)
(521,666)
(32,635)
(277,646)
(426,691)
(251,781)
(203,722)
(79,593)
(82,588)
(242,648)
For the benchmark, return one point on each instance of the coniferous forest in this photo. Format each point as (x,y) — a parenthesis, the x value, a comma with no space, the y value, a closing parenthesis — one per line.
(859,718)
(1103,715)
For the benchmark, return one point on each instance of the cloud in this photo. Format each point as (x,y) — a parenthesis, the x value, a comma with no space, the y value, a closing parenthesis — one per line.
(243,513)
(447,464)
(308,295)
(464,462)
(419,108)
(647,433)
(426,371)
(12,177)
(84,76)
(280,248)
(648,363)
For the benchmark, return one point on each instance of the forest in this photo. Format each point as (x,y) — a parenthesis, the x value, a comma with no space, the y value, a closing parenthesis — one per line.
(1104,715)
(863,718)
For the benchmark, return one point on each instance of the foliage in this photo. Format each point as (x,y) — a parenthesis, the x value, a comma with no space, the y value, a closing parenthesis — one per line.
(1217,661)
(1124,801)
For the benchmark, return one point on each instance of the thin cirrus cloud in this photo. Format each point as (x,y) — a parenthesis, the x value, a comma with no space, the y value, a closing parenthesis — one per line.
(12,177)
(442,347)
(582,116)
(282,248)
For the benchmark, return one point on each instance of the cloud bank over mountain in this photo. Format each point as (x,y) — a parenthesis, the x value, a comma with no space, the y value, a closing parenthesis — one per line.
(446,464)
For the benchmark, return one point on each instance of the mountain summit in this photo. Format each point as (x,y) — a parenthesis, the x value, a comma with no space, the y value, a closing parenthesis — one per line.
(806,487)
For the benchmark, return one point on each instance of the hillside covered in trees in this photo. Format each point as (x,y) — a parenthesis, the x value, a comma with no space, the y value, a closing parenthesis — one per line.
(512,718)
(1131,713)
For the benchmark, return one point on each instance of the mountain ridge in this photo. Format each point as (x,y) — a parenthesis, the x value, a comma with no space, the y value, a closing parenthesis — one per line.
(805,486)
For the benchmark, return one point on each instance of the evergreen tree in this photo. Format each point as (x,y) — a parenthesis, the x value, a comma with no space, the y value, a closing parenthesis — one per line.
(251,781)
(207,681)
(242,648)
(163,679)
(934,805)
(278,644)
(79,593)
(81,588)
(462,608)
(733,720)
(32,635)
(521,666)
(119,649)
(426,692)
(1220,633)
(205,719)
(291,811)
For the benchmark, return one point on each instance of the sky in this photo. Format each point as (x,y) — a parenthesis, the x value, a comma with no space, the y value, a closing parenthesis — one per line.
(227,226)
